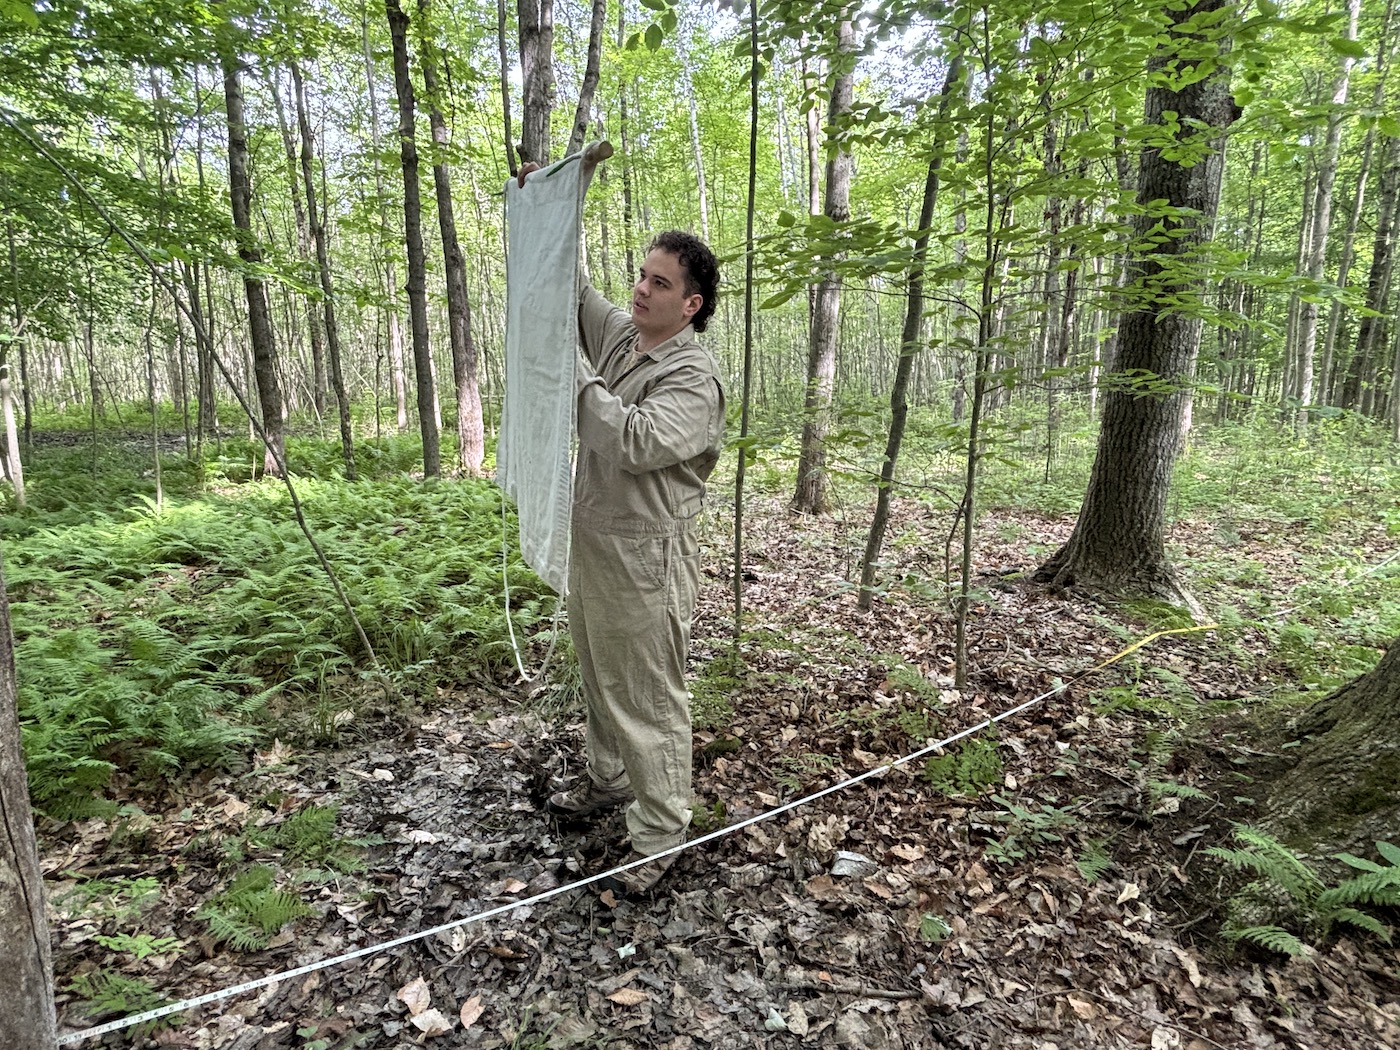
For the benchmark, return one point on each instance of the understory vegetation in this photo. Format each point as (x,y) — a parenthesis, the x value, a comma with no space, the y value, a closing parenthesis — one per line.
(164,636)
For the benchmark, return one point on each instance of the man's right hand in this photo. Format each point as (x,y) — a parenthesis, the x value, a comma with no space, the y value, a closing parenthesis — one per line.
(525,169)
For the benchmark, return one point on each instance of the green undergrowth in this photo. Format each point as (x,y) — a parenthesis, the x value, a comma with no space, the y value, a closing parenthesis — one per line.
(1290,901)
(156,638)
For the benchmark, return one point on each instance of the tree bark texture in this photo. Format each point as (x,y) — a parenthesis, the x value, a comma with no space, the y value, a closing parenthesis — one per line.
(260,330)
(536,18)
(812,496)
(27,1021)
(1118,543)
(471,433)
(1343,787)
(428,413)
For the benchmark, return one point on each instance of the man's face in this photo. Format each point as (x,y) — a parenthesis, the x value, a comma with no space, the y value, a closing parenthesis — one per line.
(660,305)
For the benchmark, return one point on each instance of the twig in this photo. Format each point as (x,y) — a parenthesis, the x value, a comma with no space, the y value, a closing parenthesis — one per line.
(1166,1021)
(865,991)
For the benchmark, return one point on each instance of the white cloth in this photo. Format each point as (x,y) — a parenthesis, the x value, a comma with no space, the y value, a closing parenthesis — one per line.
(534,450)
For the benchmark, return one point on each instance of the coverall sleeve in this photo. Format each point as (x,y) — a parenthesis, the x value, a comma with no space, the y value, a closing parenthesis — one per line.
(676,421)
(599,323)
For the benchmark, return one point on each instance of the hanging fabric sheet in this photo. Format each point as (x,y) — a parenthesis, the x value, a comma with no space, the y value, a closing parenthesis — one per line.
(534,451)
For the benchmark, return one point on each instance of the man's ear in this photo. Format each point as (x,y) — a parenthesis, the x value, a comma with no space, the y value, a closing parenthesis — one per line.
(692,305)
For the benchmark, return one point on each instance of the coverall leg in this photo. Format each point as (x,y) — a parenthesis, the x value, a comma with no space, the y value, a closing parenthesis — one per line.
(631,599)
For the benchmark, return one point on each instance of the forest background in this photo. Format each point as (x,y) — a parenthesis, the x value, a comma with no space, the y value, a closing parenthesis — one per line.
(1137,256)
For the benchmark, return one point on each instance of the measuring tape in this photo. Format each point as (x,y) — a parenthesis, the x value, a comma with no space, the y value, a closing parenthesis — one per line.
(539,898)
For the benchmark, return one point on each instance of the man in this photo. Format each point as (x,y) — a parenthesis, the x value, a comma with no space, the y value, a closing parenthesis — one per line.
(650,429)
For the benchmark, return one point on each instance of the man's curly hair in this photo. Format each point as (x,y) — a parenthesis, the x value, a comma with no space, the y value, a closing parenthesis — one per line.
(701,270)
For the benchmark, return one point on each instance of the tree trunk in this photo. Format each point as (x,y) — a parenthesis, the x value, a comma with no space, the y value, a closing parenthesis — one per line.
(908,348)
(323,267)
(628,234)
(583,115)
(536,19)
(692,107)
(429,415)
(811,496)
(298,159)
(1321,224)
(1342,787)
(261,333)
(1118,543)
(14,465)
(504,60)
(1359,392)
(27,1022)
(471,435)
(397,380)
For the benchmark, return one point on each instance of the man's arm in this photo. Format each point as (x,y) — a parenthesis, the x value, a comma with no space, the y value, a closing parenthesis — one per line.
(600,323)
(677,421)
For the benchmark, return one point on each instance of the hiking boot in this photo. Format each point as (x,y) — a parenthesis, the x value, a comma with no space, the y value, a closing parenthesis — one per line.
(585,799)
(635,881)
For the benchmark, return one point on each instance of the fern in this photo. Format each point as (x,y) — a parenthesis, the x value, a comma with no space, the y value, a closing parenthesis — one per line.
(251,910)
(1093,861)
(1274,938)
(1287,887)
(1171,787)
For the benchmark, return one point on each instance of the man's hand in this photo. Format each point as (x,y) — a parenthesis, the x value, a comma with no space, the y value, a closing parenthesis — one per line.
(525,169)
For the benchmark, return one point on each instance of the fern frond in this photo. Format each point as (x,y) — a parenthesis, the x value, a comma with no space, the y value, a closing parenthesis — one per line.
(1361,920)
(1274,938)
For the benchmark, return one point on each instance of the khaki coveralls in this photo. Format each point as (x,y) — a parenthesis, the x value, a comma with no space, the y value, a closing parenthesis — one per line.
(650,430)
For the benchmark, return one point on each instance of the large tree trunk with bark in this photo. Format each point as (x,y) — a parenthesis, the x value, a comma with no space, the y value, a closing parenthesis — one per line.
(429,423)
(471,432)
(260,330)
(26,980)
(811,496)
(536,19)
(1343,785)
(1118,544)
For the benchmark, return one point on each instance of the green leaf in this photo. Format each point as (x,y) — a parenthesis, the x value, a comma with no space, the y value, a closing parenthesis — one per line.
(1347,47)
(1389,126)
(20,11)
(1268,8)
(1360,863)
(654,5)
(653,37)
(1389,851)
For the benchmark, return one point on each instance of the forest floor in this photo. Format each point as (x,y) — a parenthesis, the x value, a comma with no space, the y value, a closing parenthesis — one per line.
(1043,886)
